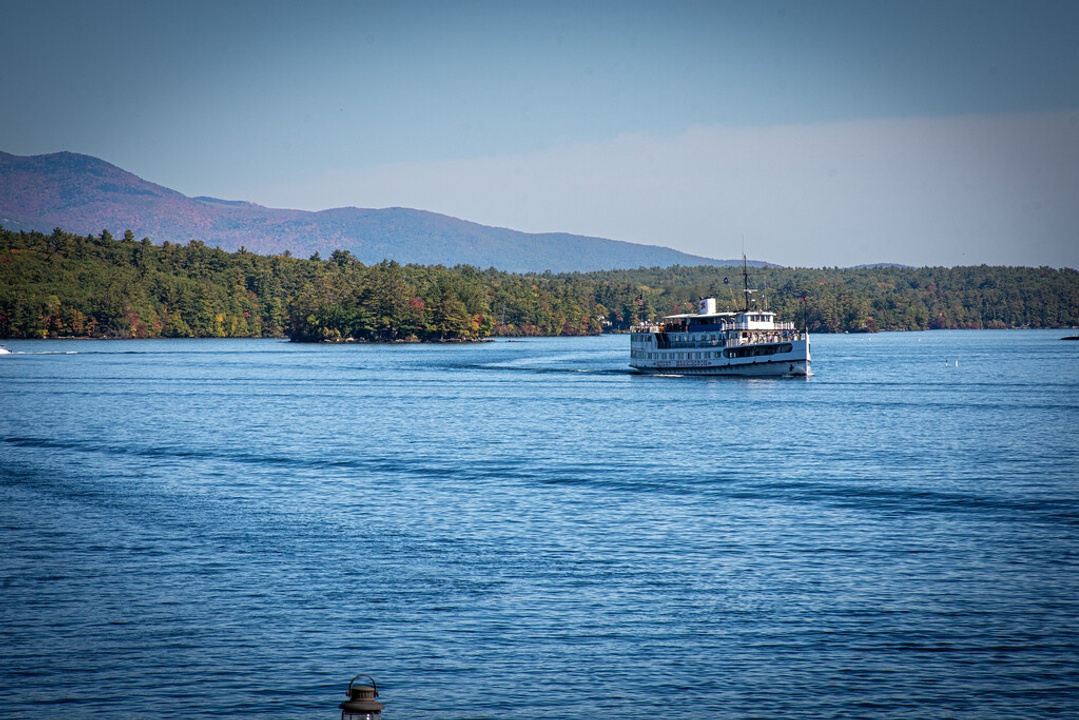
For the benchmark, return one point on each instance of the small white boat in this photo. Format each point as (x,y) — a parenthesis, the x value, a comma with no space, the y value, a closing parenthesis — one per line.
(4,350)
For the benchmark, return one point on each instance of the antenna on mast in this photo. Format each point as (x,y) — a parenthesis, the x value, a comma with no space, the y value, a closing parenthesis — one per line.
(745,280)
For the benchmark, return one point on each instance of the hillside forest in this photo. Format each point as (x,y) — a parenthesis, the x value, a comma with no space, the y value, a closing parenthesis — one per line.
(66,285)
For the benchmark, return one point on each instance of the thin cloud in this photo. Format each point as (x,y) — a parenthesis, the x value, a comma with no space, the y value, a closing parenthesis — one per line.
(953,190)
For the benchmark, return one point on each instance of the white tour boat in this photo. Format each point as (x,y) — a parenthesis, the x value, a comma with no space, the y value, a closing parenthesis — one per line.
(746,343)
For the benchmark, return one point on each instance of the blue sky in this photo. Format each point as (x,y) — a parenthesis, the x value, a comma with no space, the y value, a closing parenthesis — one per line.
(823,133)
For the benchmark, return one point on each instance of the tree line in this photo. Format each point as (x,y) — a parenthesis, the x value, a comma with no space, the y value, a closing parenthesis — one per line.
(62,284)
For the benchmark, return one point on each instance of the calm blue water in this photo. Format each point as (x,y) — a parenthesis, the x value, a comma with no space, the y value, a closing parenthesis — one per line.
(524,529)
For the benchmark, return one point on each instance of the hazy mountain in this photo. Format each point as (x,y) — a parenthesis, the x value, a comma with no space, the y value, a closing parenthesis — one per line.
(879,266)
(83,194)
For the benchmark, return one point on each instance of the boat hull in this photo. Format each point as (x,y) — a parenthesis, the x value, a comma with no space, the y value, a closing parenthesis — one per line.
(790,359)
(762,368)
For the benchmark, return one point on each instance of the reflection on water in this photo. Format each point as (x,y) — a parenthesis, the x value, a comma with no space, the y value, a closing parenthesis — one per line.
(490,529)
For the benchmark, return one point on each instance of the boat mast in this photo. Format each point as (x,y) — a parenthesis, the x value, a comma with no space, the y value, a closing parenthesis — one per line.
(745,280)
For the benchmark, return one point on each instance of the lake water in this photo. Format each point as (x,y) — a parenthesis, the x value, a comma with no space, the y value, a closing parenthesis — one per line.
(524,529)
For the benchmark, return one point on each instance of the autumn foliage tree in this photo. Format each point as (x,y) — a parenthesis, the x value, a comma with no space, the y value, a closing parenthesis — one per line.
(61,284)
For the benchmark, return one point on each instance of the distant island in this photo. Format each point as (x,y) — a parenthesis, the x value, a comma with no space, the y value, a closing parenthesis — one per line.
(68,285)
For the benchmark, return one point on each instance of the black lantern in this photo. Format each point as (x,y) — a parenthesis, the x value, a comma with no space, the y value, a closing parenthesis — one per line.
(361,703)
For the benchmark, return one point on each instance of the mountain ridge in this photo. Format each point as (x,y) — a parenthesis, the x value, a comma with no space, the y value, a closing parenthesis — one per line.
(84,194)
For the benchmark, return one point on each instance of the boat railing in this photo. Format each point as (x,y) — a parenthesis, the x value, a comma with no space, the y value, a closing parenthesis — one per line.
(784,331)
(764,337)
(646,328)
(757,325)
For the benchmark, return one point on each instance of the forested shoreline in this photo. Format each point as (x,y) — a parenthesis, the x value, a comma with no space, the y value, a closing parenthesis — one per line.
(66,285)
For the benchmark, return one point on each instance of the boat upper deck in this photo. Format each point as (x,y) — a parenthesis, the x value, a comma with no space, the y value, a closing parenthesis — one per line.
(715,322)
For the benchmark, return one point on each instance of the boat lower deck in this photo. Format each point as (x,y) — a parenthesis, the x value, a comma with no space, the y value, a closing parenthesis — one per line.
(762,359)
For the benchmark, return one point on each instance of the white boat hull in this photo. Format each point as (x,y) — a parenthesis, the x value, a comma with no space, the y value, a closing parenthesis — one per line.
(758,361)
(791,364)
(766,368)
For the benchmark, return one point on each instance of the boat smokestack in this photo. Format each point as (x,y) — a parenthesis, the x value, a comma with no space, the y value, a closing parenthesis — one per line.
(706,306)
